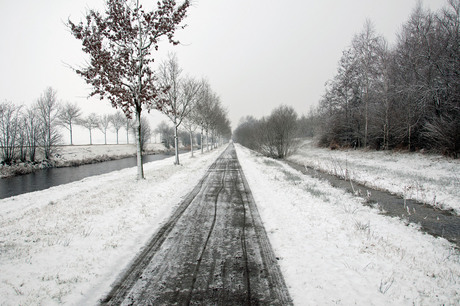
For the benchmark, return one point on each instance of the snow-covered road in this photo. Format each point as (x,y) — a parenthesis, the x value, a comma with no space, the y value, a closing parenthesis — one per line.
(212,251)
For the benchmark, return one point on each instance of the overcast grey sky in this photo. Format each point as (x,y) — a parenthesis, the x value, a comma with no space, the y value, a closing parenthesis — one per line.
(257,54)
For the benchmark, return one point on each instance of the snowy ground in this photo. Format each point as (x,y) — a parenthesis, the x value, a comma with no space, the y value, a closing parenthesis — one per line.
(334,250)
(431,179)
(80,152)
(68,244)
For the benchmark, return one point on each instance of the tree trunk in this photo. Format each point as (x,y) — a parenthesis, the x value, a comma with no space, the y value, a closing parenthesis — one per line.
(409,137)
(386,133)
(201,140)
(176,145)
(366,117)
(90,138)
(191,142)
(70,128)
(48,140)
(140,168)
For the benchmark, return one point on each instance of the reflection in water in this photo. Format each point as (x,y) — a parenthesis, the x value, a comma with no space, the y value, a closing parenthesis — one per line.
(46,178)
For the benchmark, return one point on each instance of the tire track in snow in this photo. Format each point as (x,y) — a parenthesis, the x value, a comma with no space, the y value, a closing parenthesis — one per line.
(213,250)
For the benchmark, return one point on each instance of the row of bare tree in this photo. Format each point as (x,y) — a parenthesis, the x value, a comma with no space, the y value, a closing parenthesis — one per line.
(192,105)
(205,125)
(407,96)
(23,130)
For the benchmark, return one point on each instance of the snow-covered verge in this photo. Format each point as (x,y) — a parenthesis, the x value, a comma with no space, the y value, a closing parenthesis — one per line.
(334,250)
(67,244)
(76,155)
(431,179)
(71,153)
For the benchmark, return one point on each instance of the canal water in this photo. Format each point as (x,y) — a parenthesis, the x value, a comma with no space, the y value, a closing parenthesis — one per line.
(46,178)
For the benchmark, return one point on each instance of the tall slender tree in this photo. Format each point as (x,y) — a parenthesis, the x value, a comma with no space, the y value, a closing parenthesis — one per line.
(32,129)
(68,114)
(9,131)
(181,95)
(190,126)
(91,122)
(104,122)
(118,121)
(366,46)
(120,45)
(47,108)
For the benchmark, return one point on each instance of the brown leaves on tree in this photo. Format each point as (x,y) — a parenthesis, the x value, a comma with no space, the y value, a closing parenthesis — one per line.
(119,44)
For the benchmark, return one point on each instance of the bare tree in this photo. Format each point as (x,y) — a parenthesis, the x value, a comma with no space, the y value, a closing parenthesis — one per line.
(246,133)
(204,111)
(48,107)
(181,95)
(91,122)
(22,138)
(272,136)
(219,125)
(118,121)
(32,129)
(104,122)
(146,132)
(69,114)
(9,131)
(119,45)
(366,46)
(128,125)
(190,126)
(166,134)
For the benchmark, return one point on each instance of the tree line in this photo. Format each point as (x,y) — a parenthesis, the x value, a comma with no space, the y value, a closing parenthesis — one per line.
(273,136)
(120,70)
(405,96)
(25,130)
(192,105)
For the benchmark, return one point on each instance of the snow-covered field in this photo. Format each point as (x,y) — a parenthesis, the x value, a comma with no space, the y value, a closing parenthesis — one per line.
(82,152)
(431,179)
(68,244)
(333,250)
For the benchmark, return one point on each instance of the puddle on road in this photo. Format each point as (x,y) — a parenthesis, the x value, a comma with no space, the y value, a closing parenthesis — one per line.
(439,223)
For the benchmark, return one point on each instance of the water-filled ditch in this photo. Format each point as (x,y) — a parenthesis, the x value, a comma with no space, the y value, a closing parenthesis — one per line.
(439,223)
